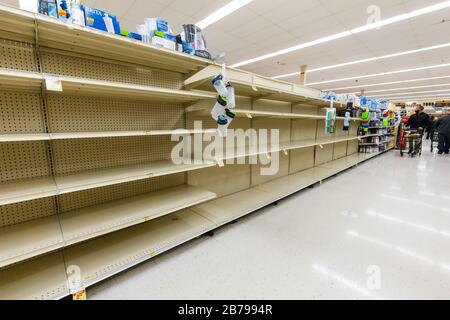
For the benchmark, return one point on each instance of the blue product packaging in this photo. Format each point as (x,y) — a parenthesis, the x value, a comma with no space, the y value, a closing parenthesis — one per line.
(101,20)
(135,36)
(48,7)
(156,24)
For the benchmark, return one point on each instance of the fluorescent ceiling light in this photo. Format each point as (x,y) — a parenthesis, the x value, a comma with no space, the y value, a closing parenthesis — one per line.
(421,96)
(387,83)
(402,17)
(407,88)
(420,99)
(222,12)
(393,55)
(406,93)
(381,74)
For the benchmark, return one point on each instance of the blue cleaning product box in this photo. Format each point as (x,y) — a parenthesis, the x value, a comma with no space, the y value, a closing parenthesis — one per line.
(101,20)
(135,36)
(48,7)
(156,24)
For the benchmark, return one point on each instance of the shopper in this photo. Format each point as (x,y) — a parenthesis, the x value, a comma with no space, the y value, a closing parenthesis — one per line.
(443,128)
(431,128)
(419,121)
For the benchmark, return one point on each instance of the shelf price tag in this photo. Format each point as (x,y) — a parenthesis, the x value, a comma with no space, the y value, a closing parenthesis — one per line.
(80,295)
(286,153)
(53,84)
(321,146)
(220,163)
(249,115)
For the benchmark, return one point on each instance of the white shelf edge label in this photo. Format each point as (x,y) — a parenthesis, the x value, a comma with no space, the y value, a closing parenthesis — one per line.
(53,84)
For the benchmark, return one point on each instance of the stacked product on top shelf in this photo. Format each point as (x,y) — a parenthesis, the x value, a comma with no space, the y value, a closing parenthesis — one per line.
(155,31)
(87,175)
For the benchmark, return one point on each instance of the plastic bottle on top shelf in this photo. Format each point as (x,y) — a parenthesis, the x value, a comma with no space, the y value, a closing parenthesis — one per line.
(219,85)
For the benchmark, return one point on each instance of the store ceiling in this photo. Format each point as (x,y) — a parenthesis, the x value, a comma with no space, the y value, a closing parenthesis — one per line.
(265,26)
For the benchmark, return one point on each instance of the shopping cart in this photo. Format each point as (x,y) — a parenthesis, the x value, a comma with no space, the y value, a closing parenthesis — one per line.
(410,141)
(434,141)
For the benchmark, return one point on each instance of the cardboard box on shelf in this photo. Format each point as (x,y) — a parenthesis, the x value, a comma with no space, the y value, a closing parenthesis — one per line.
(165,43)
(101,20)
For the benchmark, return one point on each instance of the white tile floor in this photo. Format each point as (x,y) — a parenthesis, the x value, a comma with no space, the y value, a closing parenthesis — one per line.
(391,213)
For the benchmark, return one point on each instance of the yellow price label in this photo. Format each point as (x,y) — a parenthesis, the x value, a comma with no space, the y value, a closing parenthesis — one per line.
(80,295)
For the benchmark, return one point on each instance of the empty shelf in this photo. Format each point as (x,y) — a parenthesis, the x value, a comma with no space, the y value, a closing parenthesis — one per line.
(25,190)
(283,187)
(244,113)
(24,137)
(21,80)
(95,135)
(256,86)
(105,256)
(14,79)
(79,86)
(83,224)
(255,150)
(43,278)
(17,24)
(110,176)
(232,207)
(26,240)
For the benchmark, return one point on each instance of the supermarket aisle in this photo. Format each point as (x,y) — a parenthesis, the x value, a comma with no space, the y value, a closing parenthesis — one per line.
(390,216)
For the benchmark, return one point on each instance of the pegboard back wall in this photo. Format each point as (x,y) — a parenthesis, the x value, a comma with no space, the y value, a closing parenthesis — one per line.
(69,64)
(20,113)
(86,198)
(26,211)
(17,55)
(23,160)
(91,114)
(71,156)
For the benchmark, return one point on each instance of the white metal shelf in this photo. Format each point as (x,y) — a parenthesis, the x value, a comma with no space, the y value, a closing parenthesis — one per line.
(14,79)
(38,188)
(32,189)
(373,143)
(59,35)
(256,86)
(22,25)
(256,150)
(110,254)
(87,223)
(96,135)
(20,80)
(246,113)
(17,24)
(109,176)
(26,240)
(106,256)
(27,189)
(44,278)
